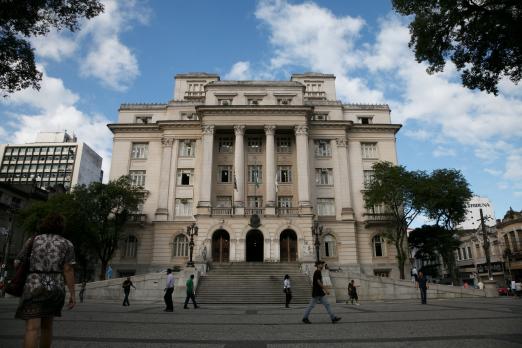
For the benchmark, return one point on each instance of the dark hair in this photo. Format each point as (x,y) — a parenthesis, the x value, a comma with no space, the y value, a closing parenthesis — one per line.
(53,223)
(191,276)
(287,276)
(169,271)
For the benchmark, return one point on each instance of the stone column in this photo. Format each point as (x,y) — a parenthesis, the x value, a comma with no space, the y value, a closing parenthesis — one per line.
(343,178)
(239,170)
(270,171)
(303,177)
(173,176)
(162,212)
(205,188)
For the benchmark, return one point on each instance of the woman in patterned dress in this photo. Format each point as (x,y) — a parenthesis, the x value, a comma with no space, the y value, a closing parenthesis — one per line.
(50,268)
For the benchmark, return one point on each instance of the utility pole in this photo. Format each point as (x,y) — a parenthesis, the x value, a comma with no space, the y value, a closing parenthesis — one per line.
(486,245)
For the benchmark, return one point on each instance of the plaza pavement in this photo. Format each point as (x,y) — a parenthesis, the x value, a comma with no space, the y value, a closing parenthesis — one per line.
(442,323)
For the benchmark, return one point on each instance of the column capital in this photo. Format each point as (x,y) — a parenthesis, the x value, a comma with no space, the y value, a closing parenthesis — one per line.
(208,129)
(341,142)
(270,129)
(239,130)
(301,130)
(167,142)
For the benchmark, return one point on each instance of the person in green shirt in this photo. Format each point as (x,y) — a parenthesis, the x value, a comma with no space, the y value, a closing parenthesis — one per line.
(190,292)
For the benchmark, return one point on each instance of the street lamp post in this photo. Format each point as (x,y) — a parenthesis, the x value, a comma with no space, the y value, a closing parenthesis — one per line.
(192,230)
(317,230)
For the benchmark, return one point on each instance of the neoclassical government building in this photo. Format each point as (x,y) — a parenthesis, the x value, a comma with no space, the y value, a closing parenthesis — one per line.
(253,164)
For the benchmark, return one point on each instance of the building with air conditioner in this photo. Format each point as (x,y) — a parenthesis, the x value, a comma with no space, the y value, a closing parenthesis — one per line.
(253,164)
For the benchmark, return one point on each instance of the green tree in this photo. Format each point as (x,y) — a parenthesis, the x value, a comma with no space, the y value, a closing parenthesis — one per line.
(402,193)
(22,19)
(479,36)
(430,241)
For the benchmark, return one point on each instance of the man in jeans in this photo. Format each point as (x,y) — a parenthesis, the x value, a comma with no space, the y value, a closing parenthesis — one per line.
(190,293)
(318,295)
(423,286)
(169,289)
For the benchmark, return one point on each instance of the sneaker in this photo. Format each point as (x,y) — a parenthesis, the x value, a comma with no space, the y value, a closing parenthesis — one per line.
(306,321)
(336,319)
(357,304)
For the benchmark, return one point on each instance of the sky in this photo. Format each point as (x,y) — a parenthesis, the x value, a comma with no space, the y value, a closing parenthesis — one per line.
(132,51)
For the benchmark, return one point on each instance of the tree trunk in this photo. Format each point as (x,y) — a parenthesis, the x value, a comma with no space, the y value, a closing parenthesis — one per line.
(103,270)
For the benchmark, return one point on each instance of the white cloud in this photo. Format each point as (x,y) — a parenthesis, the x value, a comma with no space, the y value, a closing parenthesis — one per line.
(502,185)
(444,152)
(514,166)
(55,45)
(517,194)
(56,110)
(239,71)
(494,172)
(418,134)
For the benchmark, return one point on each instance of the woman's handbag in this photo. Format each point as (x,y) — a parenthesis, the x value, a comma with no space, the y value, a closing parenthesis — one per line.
(16,286)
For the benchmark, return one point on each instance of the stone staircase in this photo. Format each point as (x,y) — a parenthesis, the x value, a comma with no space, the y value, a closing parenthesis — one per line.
(252,283)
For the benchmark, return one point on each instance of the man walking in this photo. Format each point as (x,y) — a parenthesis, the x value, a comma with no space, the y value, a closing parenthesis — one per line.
(127,284)
(422,285)
(169,289)
(190,293)
(318,295)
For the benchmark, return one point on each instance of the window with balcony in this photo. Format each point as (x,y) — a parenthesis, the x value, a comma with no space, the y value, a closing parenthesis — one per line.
(254,144)
(137,177)
(325,206)
(368,176)
(255,201)
(225,144)
(283,144)
(324,176)
(130,247)
(139,150)
(284,201)
(224,174)
(224,201)
(255,174)
(185,177)
(378,246)
(187,148)
(329,245)
(322,148)
(183,206)
(284,174)
(369,150)
(180,246)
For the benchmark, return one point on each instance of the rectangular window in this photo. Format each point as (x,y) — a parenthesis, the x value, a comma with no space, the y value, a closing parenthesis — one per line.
(183,207)
(322,148)
(225,144)
(469,253)
(284,201)
(143,119)
(224,201)
(254,144)
(255,174)
(225,102)
(284,174)
(460,254)
(369,150)
(187,148)
(189,116)
(320,117)
(137,177)
(255,201)
(139,150)
(254,102)
(324,176)
(283,144)
(185,177)
(365,120)
(224,174)
(464,256)
(368,177)
(325,206)
(284,101)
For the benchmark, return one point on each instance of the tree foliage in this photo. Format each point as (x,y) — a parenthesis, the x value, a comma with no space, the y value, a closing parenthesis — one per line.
(95,216)
(479,36)
(22,19)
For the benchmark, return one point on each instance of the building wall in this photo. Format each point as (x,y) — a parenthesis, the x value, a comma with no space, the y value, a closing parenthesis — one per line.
(306,116)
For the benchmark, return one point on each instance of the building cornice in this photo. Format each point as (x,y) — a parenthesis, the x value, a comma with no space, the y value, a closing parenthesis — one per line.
(331,124)
(375,127)
(153,127)
(246,110)
(366,107)
(142,106)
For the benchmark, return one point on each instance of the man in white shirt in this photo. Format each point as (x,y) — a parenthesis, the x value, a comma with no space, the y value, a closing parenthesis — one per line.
(169,289)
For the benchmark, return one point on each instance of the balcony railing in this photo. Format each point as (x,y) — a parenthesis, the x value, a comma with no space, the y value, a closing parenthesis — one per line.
(252,211)
(138,218)
(315,95)
(194,94)
(283,211)
(222,211)
(372,218)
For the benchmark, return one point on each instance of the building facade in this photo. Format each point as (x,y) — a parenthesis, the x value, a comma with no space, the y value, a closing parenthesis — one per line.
(253,164)
(55,158)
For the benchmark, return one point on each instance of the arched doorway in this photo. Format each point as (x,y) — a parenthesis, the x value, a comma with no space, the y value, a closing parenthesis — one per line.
(220,246)
(254,246)
(288,246)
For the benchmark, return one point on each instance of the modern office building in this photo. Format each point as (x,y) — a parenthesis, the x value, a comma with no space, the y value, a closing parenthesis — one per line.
(55,158)
(254,164)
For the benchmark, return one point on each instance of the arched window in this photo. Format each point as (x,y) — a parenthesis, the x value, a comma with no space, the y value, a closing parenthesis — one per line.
(181,246)
(130,247)
(378,246)
(329,245)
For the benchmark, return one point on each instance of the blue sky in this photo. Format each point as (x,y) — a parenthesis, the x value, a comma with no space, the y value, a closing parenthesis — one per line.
(132,52)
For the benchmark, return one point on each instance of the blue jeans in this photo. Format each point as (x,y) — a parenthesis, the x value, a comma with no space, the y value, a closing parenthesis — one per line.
(315,300)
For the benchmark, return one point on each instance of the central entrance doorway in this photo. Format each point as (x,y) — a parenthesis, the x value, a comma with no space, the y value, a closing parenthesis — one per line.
(220,246)
(288,246)
(254,246)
